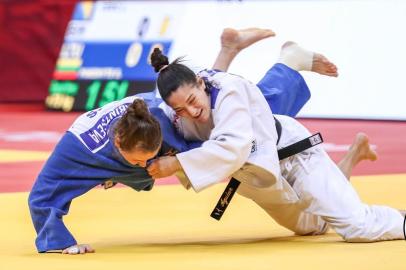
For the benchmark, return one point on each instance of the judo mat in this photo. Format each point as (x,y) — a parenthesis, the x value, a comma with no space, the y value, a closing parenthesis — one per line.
(170,228)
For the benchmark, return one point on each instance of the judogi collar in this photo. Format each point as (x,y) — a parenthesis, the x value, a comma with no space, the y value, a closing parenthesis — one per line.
(212,88)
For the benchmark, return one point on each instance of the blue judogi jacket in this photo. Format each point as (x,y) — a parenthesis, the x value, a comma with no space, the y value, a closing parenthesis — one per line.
(80,162)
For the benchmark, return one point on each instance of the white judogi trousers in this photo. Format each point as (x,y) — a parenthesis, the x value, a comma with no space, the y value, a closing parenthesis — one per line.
(324,197)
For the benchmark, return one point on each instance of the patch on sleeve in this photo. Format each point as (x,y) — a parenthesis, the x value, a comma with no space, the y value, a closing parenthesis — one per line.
(254,146)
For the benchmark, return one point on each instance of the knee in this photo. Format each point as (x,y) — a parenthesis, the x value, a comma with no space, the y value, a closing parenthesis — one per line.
(309,224)
(364,234)
(381,224)
(356,235)
(318,230)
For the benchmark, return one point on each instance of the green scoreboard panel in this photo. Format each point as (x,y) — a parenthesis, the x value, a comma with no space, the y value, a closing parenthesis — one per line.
(105,55)
(79,95)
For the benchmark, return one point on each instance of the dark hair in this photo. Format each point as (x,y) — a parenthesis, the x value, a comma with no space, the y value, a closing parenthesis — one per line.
(138,128)
(172,75)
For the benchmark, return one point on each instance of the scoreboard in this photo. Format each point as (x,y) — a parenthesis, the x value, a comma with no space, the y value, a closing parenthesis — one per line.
(107,45)
(105,54)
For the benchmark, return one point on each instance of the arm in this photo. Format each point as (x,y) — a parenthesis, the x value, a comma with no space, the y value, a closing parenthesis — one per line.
(60,181)
(284,89)
(226,150)
(49,201)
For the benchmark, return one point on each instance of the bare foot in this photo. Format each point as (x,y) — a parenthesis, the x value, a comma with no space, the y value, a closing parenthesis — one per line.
(323,66)
(240,39)
(362,149)
(233,41)
(299,59)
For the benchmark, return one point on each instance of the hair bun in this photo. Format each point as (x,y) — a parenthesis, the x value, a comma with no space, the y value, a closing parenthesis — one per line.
(158,60)
(138,129)
(138,109)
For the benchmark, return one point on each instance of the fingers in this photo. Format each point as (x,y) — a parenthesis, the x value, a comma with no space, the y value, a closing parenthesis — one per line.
(82,249)
(71,250)
(88,249)
(153,169)
(156,168)
(161,167)
(78,249)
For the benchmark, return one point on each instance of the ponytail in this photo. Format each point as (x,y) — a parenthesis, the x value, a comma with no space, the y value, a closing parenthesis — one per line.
(171,75)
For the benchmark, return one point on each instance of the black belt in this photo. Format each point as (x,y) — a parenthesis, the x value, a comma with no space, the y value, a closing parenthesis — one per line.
(283,153)
(278,129)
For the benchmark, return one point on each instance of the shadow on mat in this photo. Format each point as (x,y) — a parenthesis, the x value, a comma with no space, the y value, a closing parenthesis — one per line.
(197,245)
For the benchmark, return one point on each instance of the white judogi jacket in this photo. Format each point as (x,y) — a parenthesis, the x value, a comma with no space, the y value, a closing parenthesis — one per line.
(240,141)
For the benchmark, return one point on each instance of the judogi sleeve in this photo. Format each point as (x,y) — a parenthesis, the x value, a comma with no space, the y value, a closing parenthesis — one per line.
(50,199)
(229,144)
(284,89)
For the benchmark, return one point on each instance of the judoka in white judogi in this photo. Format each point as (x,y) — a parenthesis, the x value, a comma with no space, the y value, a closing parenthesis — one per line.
(305,193)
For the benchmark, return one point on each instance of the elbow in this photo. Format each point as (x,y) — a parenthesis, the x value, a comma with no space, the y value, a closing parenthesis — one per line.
(234,150)
(36,199)
(242,153)
(31,200)
(35,195)
(245,150)
(34,204)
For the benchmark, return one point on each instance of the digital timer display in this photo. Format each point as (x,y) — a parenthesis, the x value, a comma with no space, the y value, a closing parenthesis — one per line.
(105,55)
(87,95)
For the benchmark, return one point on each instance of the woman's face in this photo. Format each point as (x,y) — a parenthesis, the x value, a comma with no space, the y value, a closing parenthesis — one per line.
(191,101)
(136,156)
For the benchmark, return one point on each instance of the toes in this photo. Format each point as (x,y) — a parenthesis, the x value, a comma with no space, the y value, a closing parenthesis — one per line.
(332,74)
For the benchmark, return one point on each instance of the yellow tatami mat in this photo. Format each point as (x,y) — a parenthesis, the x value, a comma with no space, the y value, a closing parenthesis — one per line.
(22,155)
(170,228)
